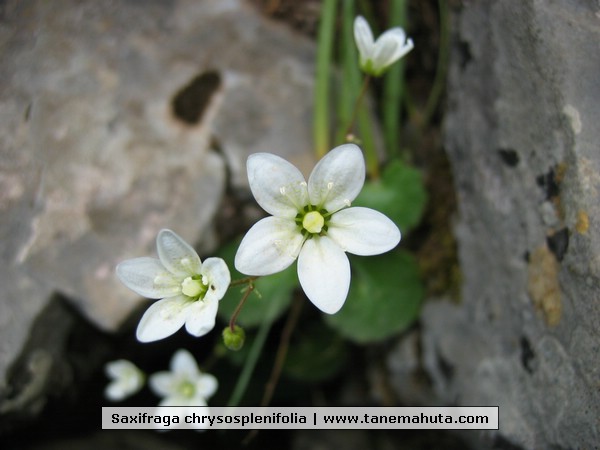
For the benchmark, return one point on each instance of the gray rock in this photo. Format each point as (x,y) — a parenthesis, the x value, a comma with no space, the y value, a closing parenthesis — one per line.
(118,119)
(522,135)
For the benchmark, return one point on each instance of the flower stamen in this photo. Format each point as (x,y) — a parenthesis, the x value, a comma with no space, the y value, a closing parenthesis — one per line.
(193,287)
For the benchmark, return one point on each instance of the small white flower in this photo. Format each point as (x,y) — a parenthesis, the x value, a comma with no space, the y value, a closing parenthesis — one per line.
(313,222)
(377,56)
(126,378)
(185,385)
(190,290)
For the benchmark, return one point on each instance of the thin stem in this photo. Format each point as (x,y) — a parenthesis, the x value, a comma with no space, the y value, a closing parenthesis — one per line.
(442,65)
(282,350)
(393,87)
(357,104)
(284,344)
(243,281)
(240,305)
(251,360)
(324,50)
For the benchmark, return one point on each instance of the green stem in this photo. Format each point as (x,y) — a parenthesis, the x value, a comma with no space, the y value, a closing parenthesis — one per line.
(240,305)
(442,65)
(251,360)
(324,50)
(393,87)
(282,350)
(357,105)
(242,281)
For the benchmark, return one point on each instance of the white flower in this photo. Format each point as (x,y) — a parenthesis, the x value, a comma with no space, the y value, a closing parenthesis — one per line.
(377,56)
(190,290)
(126,378)
(313,222)
(185,385)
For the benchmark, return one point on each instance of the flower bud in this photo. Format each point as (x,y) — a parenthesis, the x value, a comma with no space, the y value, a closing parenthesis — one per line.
(234,340)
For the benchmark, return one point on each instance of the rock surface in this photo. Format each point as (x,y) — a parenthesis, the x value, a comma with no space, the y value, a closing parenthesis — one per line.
(522,136)
(121,118)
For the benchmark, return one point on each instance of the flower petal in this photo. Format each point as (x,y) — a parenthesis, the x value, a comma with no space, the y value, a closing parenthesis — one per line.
(163,384)
(201,316)
(337,179)
(182,362)
(148,278)
(218,277)
(277,185)
(270,246)
(162,319)
(177,255)
(127,379)
(364,38)
(390,47)
(206,386)
(324,273)
(363,231)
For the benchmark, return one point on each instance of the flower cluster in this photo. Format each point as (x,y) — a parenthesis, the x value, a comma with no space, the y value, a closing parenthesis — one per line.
(183,386)
(311,221)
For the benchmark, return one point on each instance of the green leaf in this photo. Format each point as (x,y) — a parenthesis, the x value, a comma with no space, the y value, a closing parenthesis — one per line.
(274,293)
(316,354)
(399,194)
(384,298)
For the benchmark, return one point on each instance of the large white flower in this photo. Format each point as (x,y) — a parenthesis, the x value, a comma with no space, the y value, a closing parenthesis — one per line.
(126,379)
(377,56)
(184,385)
(313,222)
(190,290)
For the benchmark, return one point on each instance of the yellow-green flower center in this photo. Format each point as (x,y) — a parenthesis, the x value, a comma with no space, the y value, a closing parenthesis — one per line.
(313,222)
(186,389)
(193,287)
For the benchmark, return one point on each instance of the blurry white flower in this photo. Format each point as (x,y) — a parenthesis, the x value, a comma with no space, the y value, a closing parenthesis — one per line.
(377,56)
(185,385)
(190,290)
(313,222)
(126,379)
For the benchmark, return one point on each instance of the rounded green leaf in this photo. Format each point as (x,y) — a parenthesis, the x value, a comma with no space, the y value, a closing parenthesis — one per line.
(384,299)
(399,194)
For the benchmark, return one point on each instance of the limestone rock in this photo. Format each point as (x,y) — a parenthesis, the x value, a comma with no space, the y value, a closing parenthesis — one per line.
(121,118)
(522,135)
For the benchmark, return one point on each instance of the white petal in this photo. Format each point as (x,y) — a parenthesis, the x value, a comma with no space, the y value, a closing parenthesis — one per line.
(277,185)
(324,273)
(119,368)
(116,391)
(390,47)
(163,384)
(184,363)
(337,179)
(177,255)
(270,246)
(148,278)
(363,37)
(162,319)
(217,274)
(201,316)
(363,231)
(206,385)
